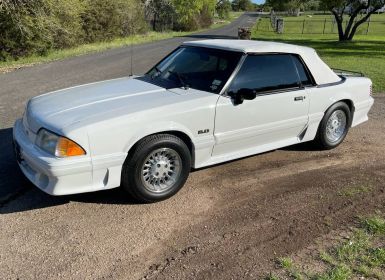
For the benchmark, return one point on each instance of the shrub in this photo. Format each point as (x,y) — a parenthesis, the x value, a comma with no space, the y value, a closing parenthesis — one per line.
(36,26)
(223,9)
(24,28)
(192,15)
(104,20)
(67,27)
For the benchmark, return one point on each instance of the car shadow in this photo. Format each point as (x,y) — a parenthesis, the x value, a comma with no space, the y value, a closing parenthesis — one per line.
(302,147)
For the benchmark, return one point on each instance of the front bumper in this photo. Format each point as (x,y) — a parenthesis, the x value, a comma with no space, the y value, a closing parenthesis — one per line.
(55,176)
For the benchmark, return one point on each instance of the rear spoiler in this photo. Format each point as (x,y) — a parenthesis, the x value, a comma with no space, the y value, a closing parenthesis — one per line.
(347,73)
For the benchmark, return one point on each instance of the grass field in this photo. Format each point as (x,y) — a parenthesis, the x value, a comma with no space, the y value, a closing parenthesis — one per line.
(324,24)
(366,53)
(359,255)
(7,66)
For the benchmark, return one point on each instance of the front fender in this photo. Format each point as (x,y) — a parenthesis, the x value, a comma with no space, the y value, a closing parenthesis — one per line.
(154,128)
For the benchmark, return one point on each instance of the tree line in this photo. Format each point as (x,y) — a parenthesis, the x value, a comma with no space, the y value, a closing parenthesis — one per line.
(37,26)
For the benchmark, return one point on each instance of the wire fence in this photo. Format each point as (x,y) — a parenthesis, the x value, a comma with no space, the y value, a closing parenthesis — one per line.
(316,26)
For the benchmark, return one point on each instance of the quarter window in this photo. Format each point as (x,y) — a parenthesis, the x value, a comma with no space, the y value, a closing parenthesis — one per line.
(268,72)
(302,72)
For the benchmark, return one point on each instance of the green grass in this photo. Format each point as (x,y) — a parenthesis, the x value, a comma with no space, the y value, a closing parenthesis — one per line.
(286,263)
(354,190)
(87,48)
(327,15)
(366,53)
(337,273)
(374,225)
(362,255)
(6,66)
(271,277)
(324,24)
(235,15)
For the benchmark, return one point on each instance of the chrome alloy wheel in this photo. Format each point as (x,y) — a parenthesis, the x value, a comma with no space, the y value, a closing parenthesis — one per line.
(336,126)
(161,169)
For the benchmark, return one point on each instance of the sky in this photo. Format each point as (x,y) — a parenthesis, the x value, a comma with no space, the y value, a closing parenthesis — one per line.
(258,1)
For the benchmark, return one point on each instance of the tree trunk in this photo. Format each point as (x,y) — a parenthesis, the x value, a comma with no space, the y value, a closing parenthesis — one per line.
(154,23)
(341,35)
(358,23)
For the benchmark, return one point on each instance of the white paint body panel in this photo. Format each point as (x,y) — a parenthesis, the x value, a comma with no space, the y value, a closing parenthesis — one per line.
(266,119)
(107,119)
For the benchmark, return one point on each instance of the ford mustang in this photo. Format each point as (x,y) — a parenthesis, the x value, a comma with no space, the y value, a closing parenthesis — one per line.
(207,102)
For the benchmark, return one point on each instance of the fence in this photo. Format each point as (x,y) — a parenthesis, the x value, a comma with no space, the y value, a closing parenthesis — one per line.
(316,26)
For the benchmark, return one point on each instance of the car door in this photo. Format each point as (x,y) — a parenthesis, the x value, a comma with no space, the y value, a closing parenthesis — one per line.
(274,118)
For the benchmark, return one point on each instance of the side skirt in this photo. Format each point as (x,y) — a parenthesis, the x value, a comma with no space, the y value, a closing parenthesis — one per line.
(250,152)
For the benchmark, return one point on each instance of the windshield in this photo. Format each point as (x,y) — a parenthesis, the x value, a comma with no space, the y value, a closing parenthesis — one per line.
(195,67)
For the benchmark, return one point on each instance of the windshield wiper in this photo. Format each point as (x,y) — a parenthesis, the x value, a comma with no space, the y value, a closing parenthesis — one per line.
(180,78)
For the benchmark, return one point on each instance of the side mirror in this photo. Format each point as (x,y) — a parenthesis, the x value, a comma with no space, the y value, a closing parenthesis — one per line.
(242,94)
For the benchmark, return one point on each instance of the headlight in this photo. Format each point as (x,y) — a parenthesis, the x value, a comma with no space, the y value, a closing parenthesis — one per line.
(57,145)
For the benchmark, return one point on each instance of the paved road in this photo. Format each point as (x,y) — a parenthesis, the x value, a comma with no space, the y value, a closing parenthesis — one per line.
(19,86)
(230,221)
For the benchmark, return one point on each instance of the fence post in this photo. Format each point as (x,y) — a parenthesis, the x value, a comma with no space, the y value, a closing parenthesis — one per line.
(323,32)
(273,19)
(303,26)
(279,28)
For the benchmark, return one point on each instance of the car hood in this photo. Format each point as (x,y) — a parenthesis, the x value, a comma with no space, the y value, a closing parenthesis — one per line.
(57,110)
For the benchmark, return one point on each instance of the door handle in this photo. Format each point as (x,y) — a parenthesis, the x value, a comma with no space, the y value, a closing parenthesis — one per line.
(298,98)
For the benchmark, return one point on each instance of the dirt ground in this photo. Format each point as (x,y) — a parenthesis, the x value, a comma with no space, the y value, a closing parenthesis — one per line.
(229,222)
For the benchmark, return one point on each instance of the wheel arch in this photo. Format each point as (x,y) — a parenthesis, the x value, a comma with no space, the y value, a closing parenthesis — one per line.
(350,104)
(178,133)
(313,127)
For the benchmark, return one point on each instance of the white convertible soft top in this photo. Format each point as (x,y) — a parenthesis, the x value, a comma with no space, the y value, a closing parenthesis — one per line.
(320,71)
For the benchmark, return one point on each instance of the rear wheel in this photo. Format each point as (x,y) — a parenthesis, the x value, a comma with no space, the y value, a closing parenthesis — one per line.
(157,168)
(334,126)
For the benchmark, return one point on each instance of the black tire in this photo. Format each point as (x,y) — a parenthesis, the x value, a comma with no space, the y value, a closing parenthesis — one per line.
(322,140)
(132,178)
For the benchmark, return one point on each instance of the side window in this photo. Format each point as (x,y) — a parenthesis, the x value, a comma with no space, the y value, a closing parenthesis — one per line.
(302,72)
(266,73)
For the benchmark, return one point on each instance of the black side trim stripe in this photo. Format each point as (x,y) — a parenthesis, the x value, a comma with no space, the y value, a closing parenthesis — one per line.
(343,79)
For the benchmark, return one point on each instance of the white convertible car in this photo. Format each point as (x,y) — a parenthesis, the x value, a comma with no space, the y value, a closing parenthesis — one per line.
(207,102)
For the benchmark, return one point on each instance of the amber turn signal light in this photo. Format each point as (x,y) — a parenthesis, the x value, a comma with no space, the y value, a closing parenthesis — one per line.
(67,148)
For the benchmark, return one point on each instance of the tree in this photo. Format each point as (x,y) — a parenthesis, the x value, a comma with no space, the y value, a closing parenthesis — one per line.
(194,14)
(293,7)
(160,12)
(241,5)
(223,8)
(357,11)
(312,5)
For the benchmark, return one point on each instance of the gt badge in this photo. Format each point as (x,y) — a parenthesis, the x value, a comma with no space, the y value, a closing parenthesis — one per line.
(203,131)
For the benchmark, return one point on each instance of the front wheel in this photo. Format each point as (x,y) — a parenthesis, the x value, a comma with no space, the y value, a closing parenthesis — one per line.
(157,168)
(334,126)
